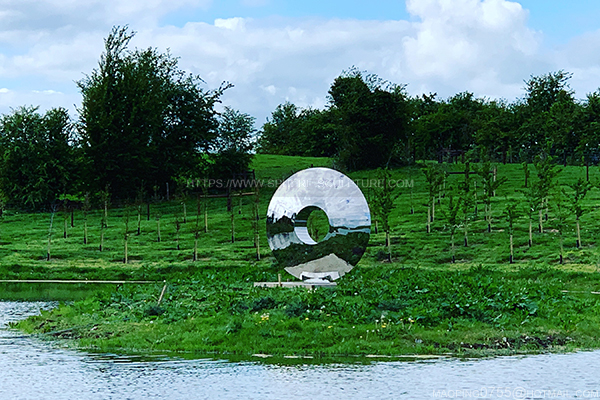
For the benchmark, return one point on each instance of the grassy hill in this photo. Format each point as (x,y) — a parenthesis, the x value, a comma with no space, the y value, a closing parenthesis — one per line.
(418,303)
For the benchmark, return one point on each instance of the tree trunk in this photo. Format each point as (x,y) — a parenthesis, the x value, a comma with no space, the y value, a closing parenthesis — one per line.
(158,228)
(195,256)
(232,227)
(388,244)
(101,238)
(72,218)
(205,217)
(452,247)
(257,248)
(106,213)
(376,226)
(578,234)
(541,224)
(511,249)
(184,213)
(85,235)
(561,250)
(125,250)
(530,233)
(139,222)
(433,210)
(65,228)
(587,171)
(466,236)
(50,237)
(428,219)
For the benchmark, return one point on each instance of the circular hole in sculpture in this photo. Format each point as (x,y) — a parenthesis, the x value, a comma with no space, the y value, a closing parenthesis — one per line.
(317,225)
(311,225)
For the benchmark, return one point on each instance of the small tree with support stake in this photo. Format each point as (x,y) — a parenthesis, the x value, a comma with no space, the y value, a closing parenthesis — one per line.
(580,189)
(383,204)
(561,220)
(453,208)
(511,214)
(434,178)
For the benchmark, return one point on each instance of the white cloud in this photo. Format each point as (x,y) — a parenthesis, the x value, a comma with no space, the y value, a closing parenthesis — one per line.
(450,46)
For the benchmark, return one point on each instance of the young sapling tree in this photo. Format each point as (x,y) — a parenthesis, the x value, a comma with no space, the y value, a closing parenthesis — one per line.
(561,220)
(383,203)
(257,222)
(126,235)
(158,227)
(177,229)
(434,178)
(580,188)
(511,213)
(452,212)
(526,173)
(490,184)
(546,171)
(466,201)
(50,231)
(531,206)
(86,209)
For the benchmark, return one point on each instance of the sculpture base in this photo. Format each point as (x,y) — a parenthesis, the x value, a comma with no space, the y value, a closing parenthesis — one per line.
(308,284)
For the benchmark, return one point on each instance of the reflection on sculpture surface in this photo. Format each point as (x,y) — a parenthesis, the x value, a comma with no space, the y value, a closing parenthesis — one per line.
(349,224)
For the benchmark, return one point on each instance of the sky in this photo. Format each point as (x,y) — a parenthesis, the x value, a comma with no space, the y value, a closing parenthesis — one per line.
(274,51)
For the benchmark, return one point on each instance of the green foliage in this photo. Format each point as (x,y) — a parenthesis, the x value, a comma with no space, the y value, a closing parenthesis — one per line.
(372,119)
(143,120)
(384,198)
(298,132)
(233,145)
(210,305)
(580,188)
(39,160)
(511,213)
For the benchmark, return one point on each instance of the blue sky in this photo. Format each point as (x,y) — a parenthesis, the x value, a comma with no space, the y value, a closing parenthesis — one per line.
(275,51)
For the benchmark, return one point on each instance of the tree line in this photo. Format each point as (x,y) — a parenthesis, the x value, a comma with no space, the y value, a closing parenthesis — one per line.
(370,123)
(144,127)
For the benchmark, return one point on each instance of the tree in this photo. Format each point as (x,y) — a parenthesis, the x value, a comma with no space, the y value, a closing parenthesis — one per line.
(142,118)
(549,104)
(278,134)
(580,189)
(512,214)
(533,202)
(467,201)
(453,208)
(371,119)
(231,152)
(434,177)
(383,204)
(490,184)
(546,171)
(298,132)
(39,159)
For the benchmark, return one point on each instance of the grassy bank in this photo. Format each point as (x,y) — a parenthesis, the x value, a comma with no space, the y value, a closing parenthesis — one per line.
(421,303)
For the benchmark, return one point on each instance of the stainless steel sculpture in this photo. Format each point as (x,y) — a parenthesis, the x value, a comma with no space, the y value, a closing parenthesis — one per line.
(349,224)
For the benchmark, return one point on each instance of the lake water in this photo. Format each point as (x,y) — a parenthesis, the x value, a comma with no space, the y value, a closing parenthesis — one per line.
(31,368)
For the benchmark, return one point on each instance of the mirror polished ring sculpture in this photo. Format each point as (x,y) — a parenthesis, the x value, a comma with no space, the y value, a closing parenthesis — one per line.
(349,224)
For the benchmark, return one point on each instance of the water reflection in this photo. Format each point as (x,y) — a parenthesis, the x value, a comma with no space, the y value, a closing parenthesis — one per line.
(36,369)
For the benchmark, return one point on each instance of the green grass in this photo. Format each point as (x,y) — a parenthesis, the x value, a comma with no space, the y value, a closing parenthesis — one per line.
(418,304)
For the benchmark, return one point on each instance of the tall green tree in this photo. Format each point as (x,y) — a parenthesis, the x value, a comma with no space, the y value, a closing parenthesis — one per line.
(40,160)
(371,119)
(234,143)
(142,119)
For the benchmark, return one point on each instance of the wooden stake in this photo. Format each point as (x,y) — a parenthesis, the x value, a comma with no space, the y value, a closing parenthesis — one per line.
(162,293)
